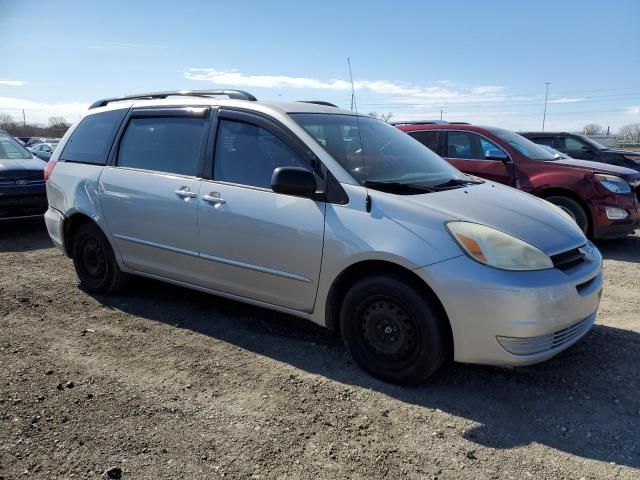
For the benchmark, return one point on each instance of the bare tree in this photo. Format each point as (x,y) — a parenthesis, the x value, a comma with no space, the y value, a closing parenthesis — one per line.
(6,122)
(381,116)
(57,122)
(630,132)
(592,129)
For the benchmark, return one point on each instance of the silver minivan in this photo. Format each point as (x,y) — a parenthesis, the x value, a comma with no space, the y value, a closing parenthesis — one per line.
(324,214)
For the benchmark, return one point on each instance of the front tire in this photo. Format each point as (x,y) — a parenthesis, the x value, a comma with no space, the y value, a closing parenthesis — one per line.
(393,330)
(95,262)
(573,208)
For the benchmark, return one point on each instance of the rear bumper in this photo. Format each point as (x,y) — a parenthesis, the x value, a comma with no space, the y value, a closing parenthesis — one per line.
(604,228)
(55,221)
(499,317)
(23,201)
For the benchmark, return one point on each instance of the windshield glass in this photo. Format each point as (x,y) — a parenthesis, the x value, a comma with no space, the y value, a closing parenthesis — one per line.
(374,151)
(12,149)
(523,145)
(593,143)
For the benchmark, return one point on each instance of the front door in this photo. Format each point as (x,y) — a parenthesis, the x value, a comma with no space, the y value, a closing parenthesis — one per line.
(477,155)
(150,196)
(254,242)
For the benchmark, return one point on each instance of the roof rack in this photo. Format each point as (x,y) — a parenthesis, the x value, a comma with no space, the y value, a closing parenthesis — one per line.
(319,102)
(459,123)
(420,122)
(234,94)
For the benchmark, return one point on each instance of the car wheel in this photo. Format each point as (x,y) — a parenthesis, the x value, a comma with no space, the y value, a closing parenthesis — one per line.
(573,208)
(95,262)
(393,331)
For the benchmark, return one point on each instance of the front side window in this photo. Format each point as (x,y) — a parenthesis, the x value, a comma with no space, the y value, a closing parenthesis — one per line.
(11,149)
(170,145)
(489,148)
(247,154)
(91,141)
(544,141)
(463,145)
(374,151)
(570,144)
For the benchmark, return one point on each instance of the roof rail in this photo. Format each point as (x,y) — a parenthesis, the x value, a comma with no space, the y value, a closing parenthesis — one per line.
(319,102)
(234,94)
(420,122)
(459,123)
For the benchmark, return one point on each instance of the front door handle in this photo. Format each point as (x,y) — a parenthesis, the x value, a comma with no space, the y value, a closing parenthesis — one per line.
(214,198)
(185,192)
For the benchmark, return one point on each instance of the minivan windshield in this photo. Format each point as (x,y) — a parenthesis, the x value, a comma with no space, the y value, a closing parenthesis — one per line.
(11,149)
(523,145)
(377,154)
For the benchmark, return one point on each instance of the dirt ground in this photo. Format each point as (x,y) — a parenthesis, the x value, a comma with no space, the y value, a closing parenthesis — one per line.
(163,382)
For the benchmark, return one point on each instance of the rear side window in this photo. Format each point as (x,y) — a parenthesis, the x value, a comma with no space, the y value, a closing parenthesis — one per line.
(92,138)
(170,145)
(428,139)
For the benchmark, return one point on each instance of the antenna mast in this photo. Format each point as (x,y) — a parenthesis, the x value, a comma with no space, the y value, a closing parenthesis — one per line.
(353,90)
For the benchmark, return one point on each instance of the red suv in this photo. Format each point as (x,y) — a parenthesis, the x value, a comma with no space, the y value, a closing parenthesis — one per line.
(603,199)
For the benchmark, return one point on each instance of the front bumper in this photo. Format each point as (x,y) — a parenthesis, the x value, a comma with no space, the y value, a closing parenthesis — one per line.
(22,201)
(604,228)
(500,317)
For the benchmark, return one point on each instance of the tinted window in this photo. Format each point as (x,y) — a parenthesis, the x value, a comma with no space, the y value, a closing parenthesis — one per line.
(12,149)
(487,146)
(464,145)
(544,141)
(248,155)
(523,145)
(428,139)
(568,143)
(170,145)
(92,138)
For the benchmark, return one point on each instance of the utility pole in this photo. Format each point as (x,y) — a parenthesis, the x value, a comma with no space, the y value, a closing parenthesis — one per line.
(24,123)
(441,112)
(546,97)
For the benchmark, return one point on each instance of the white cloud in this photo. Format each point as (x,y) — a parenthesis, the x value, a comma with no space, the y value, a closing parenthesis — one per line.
(404,93)
(567,100)
(12,83)
(634,110)
(39,112)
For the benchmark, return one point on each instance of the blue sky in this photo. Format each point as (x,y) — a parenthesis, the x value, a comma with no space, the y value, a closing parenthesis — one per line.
(484,62)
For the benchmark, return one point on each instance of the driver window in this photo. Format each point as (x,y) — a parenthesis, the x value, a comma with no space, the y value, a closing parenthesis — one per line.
(569,143)
(488,146)
(247,154)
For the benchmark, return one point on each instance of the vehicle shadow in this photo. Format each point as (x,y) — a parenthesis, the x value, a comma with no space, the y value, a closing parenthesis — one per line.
(24,235)
(625,249)
(585,401)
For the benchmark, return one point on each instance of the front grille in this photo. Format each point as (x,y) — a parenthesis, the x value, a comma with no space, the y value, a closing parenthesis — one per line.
(546,343)
(568,259)
(12,176)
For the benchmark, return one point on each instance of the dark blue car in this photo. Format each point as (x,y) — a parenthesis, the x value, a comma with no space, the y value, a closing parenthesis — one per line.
(22,187)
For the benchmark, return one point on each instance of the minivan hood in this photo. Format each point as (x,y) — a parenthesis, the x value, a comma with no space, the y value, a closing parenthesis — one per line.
(506,209)
(595,166)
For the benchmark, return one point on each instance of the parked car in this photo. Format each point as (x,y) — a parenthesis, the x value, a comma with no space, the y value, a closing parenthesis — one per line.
(22,187)
(602,199)
(43,150)
(32,141)
(326,215)
(584,148)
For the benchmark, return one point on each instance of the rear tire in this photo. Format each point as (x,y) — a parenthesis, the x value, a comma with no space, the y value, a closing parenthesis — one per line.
(573,208)
(393,330)
(95,262)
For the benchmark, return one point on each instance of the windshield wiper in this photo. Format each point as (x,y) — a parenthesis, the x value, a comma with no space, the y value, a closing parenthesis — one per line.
(397,187)
(456,182)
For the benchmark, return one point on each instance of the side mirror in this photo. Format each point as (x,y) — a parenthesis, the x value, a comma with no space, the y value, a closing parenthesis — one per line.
(496,155)
(293,181)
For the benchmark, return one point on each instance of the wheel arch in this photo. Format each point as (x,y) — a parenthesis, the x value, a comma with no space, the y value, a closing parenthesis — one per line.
(71,226)
(563,192)
(356,271)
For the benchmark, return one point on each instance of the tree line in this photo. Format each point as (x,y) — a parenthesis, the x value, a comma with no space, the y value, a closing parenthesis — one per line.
(55,127)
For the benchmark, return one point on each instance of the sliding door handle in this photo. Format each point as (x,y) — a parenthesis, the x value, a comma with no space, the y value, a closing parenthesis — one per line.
(214,198)
(185,192)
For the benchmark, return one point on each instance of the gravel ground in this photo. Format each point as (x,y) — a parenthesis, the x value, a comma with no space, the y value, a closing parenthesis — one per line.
(163,382)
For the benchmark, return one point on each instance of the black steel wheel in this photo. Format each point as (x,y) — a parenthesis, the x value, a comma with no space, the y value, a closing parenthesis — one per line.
(393,330)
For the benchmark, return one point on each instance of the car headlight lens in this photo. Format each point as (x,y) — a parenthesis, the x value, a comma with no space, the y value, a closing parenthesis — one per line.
(497,249)
(613,184)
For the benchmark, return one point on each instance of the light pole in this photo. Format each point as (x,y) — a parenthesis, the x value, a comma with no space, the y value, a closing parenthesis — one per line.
(441,112)
(546,97)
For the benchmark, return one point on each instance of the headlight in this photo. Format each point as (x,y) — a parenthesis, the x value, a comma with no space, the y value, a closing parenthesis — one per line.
(497,249)
(613,184)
